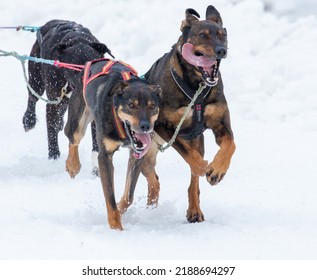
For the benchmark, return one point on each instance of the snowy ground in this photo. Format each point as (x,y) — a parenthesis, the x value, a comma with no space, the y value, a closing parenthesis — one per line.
(266,206)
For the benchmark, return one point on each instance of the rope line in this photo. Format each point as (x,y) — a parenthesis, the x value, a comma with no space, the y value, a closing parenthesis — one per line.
(22,27)
(56,63)
(28,28)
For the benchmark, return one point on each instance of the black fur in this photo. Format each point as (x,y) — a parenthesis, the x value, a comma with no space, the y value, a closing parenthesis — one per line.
(67,42)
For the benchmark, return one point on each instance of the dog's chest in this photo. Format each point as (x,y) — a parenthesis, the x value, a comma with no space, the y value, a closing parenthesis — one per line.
(174,116)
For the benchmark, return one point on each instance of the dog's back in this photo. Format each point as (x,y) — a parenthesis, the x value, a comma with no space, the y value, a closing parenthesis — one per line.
(68,42)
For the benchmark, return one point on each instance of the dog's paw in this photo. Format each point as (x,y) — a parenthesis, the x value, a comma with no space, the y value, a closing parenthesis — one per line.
(114,220)
(54,153)
(215,173)
(95,165)
(29,121)
(72,169)
(95,172)
(195,216)
(123,205)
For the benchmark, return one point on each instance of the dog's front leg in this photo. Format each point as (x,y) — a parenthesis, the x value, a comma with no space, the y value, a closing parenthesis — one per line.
(193,153)
(106,170)
(148,170)
(72,163)
(218,119)
(133,172)
(53,128)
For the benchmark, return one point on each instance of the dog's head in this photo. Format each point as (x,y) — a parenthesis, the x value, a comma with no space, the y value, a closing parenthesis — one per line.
(137,106)
(88,50)
(203,42)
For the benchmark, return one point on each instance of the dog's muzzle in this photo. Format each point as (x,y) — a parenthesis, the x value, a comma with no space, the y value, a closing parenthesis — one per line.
(140,142)
(206,65)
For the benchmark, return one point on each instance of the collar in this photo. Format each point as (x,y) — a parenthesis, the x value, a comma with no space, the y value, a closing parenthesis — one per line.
(119,125)
(185,88)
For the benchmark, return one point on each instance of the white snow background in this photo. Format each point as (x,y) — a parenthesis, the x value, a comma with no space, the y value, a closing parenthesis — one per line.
(266,206)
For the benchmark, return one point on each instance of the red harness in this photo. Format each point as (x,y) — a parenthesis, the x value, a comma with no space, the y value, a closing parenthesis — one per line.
(106,69)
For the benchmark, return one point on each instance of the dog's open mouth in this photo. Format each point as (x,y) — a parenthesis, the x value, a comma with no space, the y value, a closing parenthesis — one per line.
(207,65)
(140,142)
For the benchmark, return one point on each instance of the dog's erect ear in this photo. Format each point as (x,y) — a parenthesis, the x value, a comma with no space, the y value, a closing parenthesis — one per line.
(118,88)
(191,17)
(102,48)
(157,89)
(213,15)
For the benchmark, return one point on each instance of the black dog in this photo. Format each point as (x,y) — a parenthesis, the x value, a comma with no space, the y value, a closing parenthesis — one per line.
(124,108)
(67,42)
(193,61)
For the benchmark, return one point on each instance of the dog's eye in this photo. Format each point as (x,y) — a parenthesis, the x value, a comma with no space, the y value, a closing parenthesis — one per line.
(152,106)
(221,35)
(131,105)
(202,35)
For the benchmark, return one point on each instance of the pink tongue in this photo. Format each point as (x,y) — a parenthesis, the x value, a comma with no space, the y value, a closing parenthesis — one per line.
(145,138)
(202,61)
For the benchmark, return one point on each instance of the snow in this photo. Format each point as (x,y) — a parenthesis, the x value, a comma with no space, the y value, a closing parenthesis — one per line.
(266,206)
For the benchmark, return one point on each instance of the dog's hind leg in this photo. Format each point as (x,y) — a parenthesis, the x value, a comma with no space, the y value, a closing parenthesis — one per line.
(54,125)
(54,116)
(78,119)
(37,84)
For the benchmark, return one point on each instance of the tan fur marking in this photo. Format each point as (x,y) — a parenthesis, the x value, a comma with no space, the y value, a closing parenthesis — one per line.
(214,113)
(196,162)
(194,213)
(85,119)
(123,204)
(72,163)
(176,66)
(126,117)
(110,145)
(175,116)
(153,190)
(219,166)
(114,219)
(149,172)
(153,119)
(134,121)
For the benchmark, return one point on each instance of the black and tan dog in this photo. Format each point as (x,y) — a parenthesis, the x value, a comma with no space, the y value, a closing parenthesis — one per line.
(124,108)
(193,61)
(67,42)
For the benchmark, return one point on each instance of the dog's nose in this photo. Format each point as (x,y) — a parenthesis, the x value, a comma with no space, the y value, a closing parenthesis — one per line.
(145,126)
(221,52)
